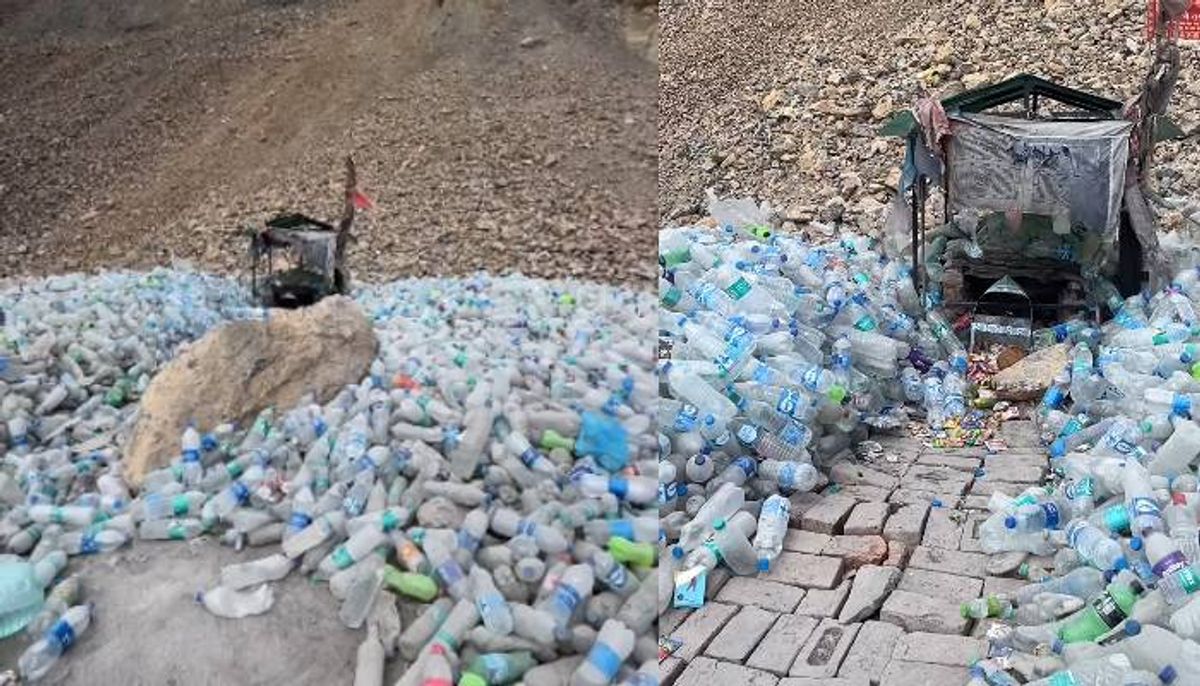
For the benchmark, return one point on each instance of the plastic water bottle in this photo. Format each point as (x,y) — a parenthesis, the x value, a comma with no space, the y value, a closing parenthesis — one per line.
(790,476)
(1050,513)
(1182,527)
(1176,455)
(1106,671)
(493,608)
(41,656)
(773,520)
(613,645)
(1099,550)
(1177,578)
(1145,514)
(727,500)
(1081,582)
(1103,614)
(571,591)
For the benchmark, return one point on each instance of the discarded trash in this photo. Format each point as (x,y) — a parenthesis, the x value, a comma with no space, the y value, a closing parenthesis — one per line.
(775,356)
(496,460)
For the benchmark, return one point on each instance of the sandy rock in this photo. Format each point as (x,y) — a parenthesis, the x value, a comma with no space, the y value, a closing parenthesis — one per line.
(237,370)
(1029,378)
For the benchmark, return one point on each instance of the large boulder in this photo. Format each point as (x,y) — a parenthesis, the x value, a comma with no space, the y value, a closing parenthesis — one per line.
(236,371)
(1029,378)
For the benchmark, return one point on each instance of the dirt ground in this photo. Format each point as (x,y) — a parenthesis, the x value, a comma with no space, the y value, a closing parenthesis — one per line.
(513,136)
(148,630)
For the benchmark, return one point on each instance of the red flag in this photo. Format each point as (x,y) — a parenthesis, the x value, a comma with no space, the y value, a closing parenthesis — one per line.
(362,202)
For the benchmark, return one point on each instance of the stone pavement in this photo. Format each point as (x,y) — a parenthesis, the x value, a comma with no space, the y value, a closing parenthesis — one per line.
(868,588)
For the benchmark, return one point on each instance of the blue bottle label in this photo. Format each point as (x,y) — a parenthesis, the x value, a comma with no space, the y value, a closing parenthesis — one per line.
(450,572)
(299,521)
(566,598)
(63,634)
(618,487)
(1052,515)
(788,402)
(605,660)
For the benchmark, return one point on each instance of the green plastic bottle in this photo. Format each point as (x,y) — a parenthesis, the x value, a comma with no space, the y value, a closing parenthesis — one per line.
(636,554)
(501,668)
(551,439)
(1102,614)
(416,586)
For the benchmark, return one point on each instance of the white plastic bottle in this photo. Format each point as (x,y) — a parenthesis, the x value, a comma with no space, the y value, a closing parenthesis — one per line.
(773,518)
(613,645)
(41,656)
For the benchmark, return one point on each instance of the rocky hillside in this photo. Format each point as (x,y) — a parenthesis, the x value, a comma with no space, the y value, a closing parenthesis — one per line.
(516,136)
(782,100)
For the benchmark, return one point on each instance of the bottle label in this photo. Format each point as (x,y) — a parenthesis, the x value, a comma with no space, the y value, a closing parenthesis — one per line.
(566,598)
(529,457)
(526,527)
(788,402)
(605,660)
(1107,610)
(791,434)
(746,433)
(746,465)
(495,667)
(1188,579)
(1144,507)
(1084,488)
(450,573)
(1181,405)
(738,289)
(390,521)
(686,418)
(342,558)
(63,634)
(1063,678)
(1052,515)
(466,541)
(811,378)
(88,545)
(787,475)
(617,577)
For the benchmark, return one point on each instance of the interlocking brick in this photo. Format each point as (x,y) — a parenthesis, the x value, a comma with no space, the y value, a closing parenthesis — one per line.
(857,551)
(802,502)
(917,612)
(957,462)
(1014,472)
(987,487)
(671,619)
(862,493)
(902,673)
(824,603)
(705,671)
(942,649)
(836,681)
(669,670)
(936,479)
(866,519)
(953,587)
(778,649)
(871,651)
(942,530)
(952,561)
(800,541)
(822,654)
(700,627)
(910,496)
(848,473)
(828,516)
(741,634)
(769,595)
(809,571)
(907,524)
(970,532)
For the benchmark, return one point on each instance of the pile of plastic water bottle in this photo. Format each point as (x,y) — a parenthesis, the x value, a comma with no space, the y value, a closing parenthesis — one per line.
(777,354)
(1118,604)
(497,465)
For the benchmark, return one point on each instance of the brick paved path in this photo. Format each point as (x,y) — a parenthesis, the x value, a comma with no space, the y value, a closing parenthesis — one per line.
(867,590)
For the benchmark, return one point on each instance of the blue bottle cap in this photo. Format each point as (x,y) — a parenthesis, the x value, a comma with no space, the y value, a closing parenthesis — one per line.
(1167,675)
(677,552)
(1010,522)
(1057,646)
(1136,543)
(764,565)
(1133,627)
